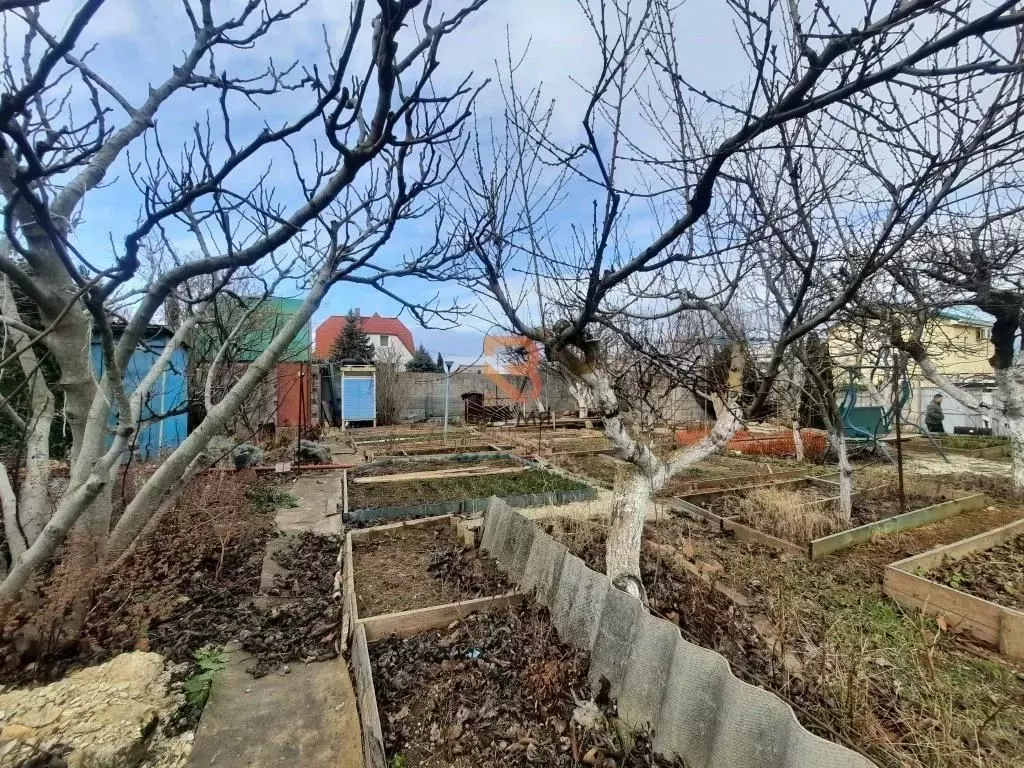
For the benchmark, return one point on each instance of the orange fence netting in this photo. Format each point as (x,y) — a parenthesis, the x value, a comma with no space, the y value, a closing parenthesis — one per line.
(777,444)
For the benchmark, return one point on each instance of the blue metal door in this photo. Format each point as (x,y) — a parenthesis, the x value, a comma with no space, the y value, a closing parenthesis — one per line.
(360,402)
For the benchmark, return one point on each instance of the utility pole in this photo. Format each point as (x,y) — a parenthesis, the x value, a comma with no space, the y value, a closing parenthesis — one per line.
(447,389)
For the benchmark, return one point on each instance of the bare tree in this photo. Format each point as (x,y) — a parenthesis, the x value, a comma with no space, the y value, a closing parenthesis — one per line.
(393,386)
(970,259)
(363,130)
(698,164)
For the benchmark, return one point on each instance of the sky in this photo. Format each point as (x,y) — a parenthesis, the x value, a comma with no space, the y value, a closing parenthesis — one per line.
(134,44)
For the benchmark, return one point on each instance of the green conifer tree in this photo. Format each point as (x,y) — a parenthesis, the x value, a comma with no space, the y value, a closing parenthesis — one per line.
(353,343)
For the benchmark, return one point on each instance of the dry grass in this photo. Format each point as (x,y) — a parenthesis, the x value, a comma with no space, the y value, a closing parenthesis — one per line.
(786,514)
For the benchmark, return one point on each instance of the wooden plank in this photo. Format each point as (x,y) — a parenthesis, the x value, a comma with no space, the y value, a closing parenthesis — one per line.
(670,555)
(746,533)
(692,510)
(380,530)
(344,495)
(409,623)
(962,612)
(465,535)
(908,520)
(1011,634)
(349,613)
(438,474)
(933,558)
(366,694)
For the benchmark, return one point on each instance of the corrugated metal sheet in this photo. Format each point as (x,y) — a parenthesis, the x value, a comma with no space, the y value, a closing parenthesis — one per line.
(687,694)
(164,417)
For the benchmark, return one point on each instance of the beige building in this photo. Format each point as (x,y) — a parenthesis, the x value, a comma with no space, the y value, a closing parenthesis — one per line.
(959,345)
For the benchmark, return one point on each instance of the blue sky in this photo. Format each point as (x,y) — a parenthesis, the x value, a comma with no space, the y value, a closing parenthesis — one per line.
(137,42)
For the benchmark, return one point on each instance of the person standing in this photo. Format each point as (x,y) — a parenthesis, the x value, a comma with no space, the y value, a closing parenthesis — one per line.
(933,415)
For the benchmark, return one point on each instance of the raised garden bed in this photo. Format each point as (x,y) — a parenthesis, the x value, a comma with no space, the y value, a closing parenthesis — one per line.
(836,635)
(432,448)
(411,438)
(587,445)
(493,689)
(977,447)
(415,576)
(503,689)
(598,468)
(459,487)
(975,585)
(798,516)
(712,476)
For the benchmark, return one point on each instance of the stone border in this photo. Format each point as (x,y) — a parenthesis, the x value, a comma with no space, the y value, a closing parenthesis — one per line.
(836,542)
(993,624)
(698,710)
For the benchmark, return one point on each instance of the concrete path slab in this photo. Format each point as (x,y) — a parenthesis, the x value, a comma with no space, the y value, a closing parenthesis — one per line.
(305,718)
(318,494)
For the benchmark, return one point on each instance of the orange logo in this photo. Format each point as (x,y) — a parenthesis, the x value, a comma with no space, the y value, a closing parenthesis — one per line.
(529,367)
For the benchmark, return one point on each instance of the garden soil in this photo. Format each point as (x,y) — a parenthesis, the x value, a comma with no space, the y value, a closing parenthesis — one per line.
(995,574)
(496,689)
(419,566)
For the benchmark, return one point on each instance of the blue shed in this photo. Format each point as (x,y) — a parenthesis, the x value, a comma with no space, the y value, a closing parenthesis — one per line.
(164,418)
(353,393)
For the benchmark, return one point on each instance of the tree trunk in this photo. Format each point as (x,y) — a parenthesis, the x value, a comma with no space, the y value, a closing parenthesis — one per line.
(798,441)
(845,477)
(1010,384)
(9,507)
(629,510)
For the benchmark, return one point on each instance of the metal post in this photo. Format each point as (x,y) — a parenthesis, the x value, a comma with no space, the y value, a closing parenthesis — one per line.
(447,389)
(298,430)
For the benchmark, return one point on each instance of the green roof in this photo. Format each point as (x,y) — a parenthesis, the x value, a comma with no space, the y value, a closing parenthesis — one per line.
(258,329)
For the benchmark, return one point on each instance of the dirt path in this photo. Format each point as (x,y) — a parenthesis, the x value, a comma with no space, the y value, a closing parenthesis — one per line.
(301,714)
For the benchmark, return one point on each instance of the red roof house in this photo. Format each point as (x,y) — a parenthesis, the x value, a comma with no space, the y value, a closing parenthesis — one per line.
(375,325)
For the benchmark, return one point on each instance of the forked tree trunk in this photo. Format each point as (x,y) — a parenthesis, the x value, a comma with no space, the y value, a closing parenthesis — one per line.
(634,487)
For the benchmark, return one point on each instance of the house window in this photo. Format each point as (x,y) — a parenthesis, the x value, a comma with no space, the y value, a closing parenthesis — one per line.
(384,340)
(983,334)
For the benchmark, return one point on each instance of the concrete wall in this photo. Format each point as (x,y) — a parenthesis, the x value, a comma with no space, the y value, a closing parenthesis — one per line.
(426,396)
(426,393)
